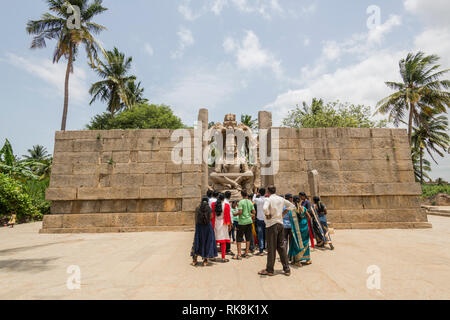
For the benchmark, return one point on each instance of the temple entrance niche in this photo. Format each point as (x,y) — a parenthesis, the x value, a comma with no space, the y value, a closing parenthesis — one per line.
(233,160)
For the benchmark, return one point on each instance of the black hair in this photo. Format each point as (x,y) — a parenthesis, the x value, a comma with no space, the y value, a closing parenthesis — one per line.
(244,194)
(296,199)
(209,194)
(316,200)
(218,206)
(262,191)
(203,216)
(215,194)
(228,195)
(272,189)
(288,196)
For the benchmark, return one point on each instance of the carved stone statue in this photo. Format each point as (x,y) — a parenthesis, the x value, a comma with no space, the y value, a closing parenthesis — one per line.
(232,171)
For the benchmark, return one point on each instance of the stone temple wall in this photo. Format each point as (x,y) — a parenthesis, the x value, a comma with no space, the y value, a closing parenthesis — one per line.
(120,181)
(366,176)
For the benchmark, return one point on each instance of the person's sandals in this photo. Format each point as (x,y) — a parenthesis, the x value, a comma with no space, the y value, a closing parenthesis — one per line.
(245,255)
(331,246)
(265,273)
(236,257)
(287,273)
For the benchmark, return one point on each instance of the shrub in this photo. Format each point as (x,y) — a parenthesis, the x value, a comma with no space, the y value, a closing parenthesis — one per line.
(430,190)
(36,190)
(13,198)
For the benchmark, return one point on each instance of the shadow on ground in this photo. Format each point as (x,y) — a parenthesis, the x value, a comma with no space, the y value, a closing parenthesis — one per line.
(26,265)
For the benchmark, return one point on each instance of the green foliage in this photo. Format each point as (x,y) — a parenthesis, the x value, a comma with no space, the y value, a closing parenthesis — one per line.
(13,198)
(421,91)
(430,190)
(36,190)
(141,116)
(249,122)
(18,169)
(331,115)
(117,88)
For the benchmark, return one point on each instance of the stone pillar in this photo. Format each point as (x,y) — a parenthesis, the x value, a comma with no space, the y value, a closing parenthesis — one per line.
(313,180)
(265,122)
(204,118)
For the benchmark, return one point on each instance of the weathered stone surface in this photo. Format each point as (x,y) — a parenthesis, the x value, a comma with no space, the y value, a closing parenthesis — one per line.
(61,194)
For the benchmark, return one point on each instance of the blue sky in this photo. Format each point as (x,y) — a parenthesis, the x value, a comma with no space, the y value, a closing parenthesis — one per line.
(237,56)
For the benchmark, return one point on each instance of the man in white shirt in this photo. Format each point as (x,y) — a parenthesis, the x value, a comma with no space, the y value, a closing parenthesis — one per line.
(259,201)
(273,211)
(213,199)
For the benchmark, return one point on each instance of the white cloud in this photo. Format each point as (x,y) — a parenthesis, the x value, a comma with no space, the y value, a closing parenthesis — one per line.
(361,83)
(435,12)
(199,87)
(435,41)
(376,34)
(185,39)
(265,8)
(250,55)
(54,75)
(185,10)
(306,42)
(218,6)
(148,49)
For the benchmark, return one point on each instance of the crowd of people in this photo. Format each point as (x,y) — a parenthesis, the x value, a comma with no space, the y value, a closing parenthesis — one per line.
(260,224)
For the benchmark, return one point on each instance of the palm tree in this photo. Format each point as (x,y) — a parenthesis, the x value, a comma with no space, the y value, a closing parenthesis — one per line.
(430,135)
(37,153)
(114,88)
(421,166)
(248,121)
(69,37)
(135,93)
(420,91)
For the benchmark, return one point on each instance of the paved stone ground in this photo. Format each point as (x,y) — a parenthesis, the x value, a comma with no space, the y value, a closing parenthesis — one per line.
(415,264)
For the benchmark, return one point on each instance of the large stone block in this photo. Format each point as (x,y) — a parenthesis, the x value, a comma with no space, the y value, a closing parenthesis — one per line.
(53,194)
(322,154)
(190,204)
(60,181)
(87,145)
(107,193)
(148,168)
(52,222)
(113,206)
(159,179)
(84,180)
(153,192)
(323,165)
(191,179)
(61,207)
(354,132)
(62,168)
(85,168)
(356,154)
(397,189)
(381,133)
(127,180)
(64,146)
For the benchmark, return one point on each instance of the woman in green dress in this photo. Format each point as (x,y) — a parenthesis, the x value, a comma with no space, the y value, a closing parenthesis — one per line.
(299,251)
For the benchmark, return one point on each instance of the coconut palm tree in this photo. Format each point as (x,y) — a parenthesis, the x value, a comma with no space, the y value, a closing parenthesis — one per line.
(422,166)
(420,91)
(37,153)
(248,121)
(114,88)
(135,93)
(69,35)
(430,135)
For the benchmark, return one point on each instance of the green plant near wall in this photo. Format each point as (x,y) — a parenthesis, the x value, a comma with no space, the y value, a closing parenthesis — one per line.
(13,198)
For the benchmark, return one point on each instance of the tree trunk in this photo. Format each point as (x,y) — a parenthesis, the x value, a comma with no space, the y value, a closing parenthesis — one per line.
(421,165)
(66,91)
(410,123)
